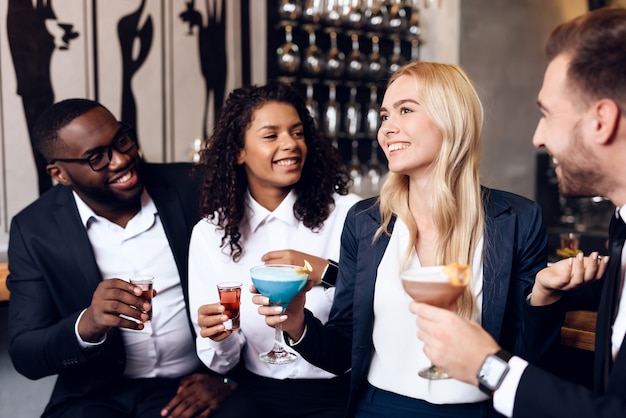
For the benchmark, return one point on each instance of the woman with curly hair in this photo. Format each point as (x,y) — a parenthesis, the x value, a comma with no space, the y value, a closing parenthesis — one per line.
(274,191)
(431,211)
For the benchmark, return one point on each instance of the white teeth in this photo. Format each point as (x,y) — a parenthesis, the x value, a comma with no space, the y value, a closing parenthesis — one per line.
(125,177)
(398,146)
(286,162)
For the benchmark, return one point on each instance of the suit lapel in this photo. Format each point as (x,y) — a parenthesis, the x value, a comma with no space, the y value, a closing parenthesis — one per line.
(75,238)
(497,263)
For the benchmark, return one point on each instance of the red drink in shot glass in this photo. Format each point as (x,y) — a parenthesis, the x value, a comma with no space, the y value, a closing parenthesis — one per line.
(230,297)
(146,283)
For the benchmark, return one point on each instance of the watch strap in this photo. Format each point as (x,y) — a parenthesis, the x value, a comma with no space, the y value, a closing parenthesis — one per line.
(329,275)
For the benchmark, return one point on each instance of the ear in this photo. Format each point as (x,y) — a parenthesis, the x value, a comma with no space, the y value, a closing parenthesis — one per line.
(605,116)
(241,157)
(58,174)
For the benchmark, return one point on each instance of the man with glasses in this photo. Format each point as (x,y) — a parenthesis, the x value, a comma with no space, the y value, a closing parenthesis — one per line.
(71,253)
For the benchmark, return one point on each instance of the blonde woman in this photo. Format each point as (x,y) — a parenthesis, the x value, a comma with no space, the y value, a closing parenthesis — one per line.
(432,210)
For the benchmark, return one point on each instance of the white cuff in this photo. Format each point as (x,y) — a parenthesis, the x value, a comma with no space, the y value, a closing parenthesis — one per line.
(82,343)
(504,397)
(294,343)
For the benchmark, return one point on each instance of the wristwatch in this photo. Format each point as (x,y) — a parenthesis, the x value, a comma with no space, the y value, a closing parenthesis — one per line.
(329,275)
(492,372)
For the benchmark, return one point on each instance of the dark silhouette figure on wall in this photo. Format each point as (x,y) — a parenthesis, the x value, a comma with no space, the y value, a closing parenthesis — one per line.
(31,47)
(212,52)
(129,32)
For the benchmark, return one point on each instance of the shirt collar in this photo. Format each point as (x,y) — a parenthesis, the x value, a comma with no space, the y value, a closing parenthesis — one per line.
(87,215)
(259,215)
(620,212)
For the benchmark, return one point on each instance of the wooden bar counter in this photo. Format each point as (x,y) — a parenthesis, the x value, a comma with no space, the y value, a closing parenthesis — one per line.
(579,330)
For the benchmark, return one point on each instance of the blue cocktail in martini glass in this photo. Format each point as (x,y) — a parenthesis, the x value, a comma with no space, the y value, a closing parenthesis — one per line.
(280,283)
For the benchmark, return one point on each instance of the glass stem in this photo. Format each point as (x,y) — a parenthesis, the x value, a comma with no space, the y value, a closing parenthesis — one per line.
(278,340)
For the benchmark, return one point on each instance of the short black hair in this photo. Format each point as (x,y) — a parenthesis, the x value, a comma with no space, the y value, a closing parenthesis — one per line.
(56,117)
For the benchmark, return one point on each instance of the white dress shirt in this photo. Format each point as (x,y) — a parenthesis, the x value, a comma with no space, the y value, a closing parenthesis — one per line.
(264,231)
(164,348)
(398,353)
(504,398)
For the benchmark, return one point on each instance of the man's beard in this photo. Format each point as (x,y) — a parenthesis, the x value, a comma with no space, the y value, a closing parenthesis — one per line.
(580,176)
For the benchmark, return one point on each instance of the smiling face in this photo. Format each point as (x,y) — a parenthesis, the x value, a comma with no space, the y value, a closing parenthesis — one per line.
(563,131)
(275,150)
(407,135)
(111,191)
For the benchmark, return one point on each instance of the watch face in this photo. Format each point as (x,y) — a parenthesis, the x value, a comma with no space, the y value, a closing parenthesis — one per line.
(493,371)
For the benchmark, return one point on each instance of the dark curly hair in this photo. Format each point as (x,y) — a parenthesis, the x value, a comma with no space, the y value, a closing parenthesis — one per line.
(225,183)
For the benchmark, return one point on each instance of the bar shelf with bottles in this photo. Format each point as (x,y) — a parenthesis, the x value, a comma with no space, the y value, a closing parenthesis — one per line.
(340,53)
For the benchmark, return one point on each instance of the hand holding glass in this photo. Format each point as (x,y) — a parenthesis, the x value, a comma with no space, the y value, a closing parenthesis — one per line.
(280,283)
(146,284)
(432,286)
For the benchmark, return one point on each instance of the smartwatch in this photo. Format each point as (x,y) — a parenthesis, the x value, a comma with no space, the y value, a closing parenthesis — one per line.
(329,275)
(492,372)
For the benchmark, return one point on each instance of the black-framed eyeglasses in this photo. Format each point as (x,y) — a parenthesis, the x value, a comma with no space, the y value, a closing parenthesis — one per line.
(123,141)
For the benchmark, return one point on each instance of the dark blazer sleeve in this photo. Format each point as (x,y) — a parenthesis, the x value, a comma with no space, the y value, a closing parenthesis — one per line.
(329,347)
(541,394)
(53,275)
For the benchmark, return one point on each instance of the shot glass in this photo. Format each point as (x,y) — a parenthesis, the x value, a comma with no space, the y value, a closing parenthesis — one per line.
(570,240)
(230,297)
(146,283)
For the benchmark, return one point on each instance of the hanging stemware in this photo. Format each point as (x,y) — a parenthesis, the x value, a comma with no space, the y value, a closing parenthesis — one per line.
(336,59)
(311,104)
(375,14)
(289,9)
(415,49)
(313,10)
(374,170)
(332,12)
(352,13)
(353,123)
(332,114)
(376,63)
(288,53)
(313,57)
(356,67)
(397,60)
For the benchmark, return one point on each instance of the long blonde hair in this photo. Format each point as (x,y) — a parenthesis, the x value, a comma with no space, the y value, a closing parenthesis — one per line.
(448,97)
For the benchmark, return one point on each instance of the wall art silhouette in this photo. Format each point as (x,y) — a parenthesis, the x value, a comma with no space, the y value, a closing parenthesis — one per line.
(129,32)
(31,47)
(212,52)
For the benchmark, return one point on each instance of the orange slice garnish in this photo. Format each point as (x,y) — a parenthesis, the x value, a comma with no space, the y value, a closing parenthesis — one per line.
(306,269)
(459,274)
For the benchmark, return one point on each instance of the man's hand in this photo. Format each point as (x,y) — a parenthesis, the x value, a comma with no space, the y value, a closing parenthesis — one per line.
(112,298)
(198,395)
(297,258)
(455,345)
(566,274)
(211,320)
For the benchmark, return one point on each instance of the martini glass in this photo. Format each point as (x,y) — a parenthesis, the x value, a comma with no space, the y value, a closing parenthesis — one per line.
(280,283)
(432,286)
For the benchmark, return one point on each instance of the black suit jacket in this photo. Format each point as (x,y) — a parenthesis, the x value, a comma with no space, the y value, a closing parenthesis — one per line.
(541,394)
(515,249)
(53,275)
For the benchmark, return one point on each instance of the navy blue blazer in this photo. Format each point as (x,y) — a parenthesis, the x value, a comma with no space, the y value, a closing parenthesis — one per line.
(515,246)
(53,275)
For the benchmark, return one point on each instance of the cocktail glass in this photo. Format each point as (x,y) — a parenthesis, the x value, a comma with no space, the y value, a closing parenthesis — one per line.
(432,286)
(280,283)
